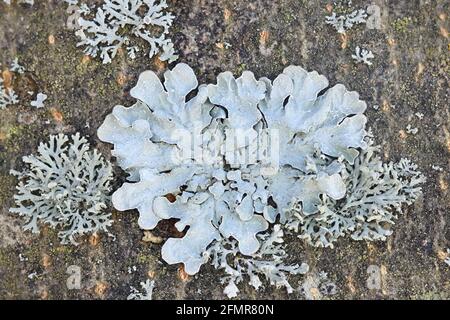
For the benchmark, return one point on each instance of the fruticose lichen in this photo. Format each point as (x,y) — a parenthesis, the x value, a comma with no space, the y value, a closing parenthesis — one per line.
(375,194)
(117,22)
(242,154)
(66,186)
(268,263)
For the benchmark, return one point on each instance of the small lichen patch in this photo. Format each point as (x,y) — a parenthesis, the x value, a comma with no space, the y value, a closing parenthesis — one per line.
(39,102)
(7,95)
(150,237)
(268,264)
(411,130)
(345,22)
(401,24)
(116,23)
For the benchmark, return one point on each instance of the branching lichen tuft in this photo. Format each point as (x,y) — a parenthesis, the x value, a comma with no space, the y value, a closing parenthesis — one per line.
(376,193)
(147,293)
(117,22)
(65,186)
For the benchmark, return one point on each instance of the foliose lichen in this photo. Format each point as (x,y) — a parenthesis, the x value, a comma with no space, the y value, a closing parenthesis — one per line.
(65,186)
(146,294)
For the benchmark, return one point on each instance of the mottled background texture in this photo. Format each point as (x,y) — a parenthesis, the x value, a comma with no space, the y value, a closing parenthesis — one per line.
(410,74)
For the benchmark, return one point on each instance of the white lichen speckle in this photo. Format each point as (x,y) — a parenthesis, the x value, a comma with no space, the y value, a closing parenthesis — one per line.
(39,102)
(115,24)
(84,9)
(147,293)
(65,186)
(419,115)
(32,275)
(132,269)
(22,258)
(268,264)
(363,56)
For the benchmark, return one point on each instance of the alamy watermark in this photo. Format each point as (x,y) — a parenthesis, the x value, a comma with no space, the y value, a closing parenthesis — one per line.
(233,147)
(73,282)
